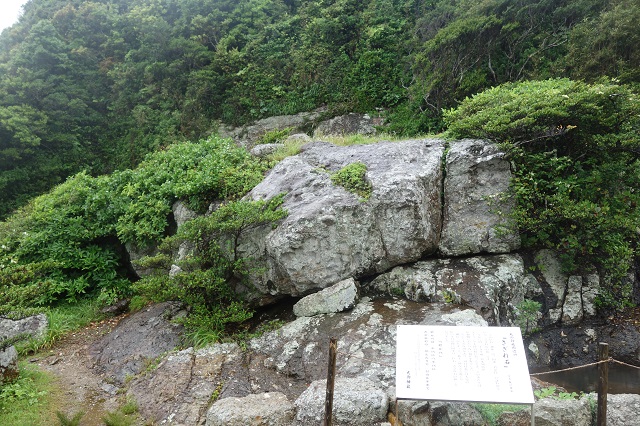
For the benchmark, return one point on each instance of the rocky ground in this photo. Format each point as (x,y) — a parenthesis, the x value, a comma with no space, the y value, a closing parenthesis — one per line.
(88,364)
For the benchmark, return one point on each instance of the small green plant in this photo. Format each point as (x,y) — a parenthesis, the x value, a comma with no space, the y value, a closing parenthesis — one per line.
(527,316)
(552,392)
(216,393)
(545,392)
(275,136)
(118,418)
(352,177)
(129,407)
(450,296)
(69,421)
(567,395)
(397,291)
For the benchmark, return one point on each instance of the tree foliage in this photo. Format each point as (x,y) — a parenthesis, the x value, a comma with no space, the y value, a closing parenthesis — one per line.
(97,85)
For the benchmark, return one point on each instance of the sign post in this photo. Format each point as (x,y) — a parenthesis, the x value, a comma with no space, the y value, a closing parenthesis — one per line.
(464,364)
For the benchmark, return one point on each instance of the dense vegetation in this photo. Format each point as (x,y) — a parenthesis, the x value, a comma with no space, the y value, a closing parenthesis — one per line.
(102,102)
(68,243)
(576,152)
(96,85)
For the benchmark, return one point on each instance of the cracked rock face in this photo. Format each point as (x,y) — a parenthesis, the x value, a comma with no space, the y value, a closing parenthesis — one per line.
(330,234)
(476,206)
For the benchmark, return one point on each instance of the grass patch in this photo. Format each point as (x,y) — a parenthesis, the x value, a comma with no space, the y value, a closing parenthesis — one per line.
(293,147)
(491,412)
(63,320)
(27,402)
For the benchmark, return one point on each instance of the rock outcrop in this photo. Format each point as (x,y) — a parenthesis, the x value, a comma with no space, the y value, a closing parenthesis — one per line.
(476,201)
(329,233)
(348,124)
(248,135)
(137,341)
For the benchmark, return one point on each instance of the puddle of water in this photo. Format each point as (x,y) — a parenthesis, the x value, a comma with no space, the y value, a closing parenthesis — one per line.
(622,379)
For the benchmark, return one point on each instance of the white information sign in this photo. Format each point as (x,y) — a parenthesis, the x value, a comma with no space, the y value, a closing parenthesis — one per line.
(479,364)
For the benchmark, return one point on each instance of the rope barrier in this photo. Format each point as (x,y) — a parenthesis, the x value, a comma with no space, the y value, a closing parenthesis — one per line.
(573,368)
(375,361)
(624,363)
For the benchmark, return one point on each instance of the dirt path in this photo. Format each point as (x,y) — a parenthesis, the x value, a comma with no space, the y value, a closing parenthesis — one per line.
(80,388)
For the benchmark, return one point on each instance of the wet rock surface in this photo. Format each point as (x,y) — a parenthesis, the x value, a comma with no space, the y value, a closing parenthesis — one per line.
(137,341)
(493,285)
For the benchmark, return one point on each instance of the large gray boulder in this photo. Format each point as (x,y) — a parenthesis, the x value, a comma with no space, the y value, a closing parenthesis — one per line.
(477,205)
(493,285)
(329,233)
(356,401)
(265,409)
(34,326)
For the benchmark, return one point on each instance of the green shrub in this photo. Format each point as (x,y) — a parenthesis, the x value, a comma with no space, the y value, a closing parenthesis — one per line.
(352,177)
(209,275)
(275,136)
(575,150)
(527,316)
(68,244)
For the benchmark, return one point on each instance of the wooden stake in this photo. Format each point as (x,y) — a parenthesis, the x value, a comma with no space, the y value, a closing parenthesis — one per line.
(331,378)
(603,383)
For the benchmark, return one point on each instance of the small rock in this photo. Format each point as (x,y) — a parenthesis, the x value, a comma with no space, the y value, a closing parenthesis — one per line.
(357,401)
(117,308)
(266,409)
(337,298)
(9,370)
(561,412)
(263,150)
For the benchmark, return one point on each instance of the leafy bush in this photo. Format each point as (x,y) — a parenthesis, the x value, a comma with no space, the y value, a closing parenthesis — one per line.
(352,177)
(68,244)
(575,149)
